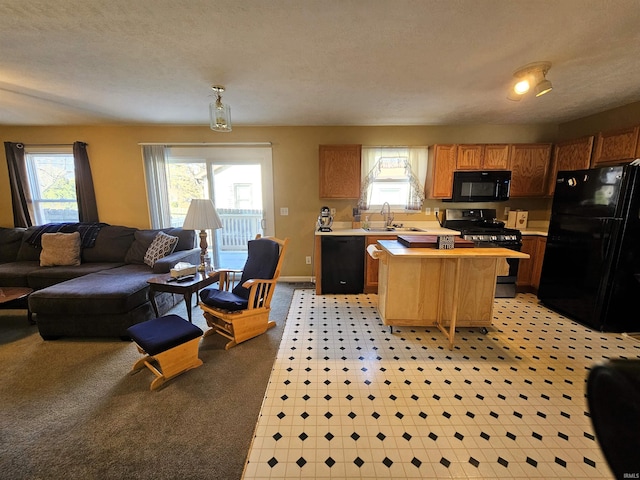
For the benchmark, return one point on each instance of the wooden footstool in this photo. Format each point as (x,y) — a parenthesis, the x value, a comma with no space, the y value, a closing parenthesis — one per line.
(170,345)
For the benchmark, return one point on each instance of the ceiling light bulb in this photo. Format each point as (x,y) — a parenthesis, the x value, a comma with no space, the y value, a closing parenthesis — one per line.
(521,87)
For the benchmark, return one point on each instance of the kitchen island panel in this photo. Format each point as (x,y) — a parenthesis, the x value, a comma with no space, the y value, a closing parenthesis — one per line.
(445,288)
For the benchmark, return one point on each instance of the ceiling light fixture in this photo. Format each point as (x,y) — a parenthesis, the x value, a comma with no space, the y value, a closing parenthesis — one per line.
(219,113)
(531,76)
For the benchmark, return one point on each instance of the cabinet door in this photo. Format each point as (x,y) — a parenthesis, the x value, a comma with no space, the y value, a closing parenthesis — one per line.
(541,245)
(469,157)
(525,265)
(529,165)
(570,155)
(371,265)
(496,157)
(614,147)
(442,166)
(340,171)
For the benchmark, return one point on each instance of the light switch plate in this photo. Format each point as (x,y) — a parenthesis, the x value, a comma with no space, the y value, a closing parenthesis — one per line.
(427,211)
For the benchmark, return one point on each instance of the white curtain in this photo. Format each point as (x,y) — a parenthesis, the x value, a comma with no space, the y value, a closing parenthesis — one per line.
(417,159)
(155,168)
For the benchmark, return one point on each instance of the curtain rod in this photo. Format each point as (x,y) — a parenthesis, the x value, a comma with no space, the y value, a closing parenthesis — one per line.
(48,144)
(208,144)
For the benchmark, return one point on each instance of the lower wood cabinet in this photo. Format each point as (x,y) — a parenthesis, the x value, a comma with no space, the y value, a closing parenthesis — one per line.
(529,270)
(371,264)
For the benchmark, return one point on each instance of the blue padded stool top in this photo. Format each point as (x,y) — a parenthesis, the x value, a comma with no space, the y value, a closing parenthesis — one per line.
(160,334)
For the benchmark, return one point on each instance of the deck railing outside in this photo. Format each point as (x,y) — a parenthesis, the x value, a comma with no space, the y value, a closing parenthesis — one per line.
(240,226)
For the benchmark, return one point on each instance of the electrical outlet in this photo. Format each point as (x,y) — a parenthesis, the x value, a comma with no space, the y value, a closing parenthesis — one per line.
(506,211)
(427,211)
(284,211)
(307,259)
(436,211)
(333,211)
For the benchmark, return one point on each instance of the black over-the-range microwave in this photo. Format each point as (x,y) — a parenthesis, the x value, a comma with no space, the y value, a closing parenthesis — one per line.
(481,186)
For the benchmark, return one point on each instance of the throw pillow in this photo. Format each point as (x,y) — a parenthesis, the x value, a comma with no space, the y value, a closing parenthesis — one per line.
(161,246)
(60,249)
(140,245)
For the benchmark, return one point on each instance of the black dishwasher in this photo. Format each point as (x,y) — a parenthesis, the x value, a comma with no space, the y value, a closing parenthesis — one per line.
(342,264)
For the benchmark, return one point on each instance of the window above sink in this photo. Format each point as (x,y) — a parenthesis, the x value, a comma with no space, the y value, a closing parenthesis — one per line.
(393,175)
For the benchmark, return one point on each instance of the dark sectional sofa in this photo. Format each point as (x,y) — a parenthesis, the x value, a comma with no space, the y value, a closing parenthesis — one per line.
(106,293)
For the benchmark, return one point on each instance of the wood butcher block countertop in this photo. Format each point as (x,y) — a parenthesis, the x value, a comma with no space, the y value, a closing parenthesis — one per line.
(396,249)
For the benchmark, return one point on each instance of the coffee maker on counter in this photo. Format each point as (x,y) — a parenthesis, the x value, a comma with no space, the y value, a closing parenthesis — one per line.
(325,220)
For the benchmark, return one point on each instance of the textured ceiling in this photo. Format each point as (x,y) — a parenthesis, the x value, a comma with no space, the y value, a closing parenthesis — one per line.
(312,62)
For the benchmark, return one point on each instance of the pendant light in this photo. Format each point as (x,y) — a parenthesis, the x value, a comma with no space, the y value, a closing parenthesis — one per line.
(219,113)
(530,77)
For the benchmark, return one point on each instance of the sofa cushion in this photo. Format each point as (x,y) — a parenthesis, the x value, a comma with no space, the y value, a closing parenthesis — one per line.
(46,276)
(16,274)
(28,251)
(111,245)
(10,240)
(143,239)
(106,292)
(60,249)
(161,246)
(223,299)
(140,245)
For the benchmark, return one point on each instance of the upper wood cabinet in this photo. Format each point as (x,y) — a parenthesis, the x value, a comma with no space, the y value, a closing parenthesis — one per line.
(483,157)
(570,155)
(529,165)
(340,171)
(496,157)
(469,157)
(442,164)
(615,147)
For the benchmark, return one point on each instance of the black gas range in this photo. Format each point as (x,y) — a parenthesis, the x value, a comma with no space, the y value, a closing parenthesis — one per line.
(481,227)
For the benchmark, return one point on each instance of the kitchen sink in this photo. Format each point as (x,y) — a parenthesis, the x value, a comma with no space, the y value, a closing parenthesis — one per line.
(393,229)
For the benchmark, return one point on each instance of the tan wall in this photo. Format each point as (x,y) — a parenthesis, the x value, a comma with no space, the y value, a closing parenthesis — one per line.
(118,173)
(614,119)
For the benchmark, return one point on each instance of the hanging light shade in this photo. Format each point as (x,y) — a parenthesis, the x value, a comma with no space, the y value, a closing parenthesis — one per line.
(543,87)
(219,113)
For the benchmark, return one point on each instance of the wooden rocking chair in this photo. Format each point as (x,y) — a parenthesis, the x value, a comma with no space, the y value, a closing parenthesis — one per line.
(240,311)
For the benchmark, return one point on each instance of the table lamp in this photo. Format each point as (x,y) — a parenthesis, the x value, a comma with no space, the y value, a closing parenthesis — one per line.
(202,216)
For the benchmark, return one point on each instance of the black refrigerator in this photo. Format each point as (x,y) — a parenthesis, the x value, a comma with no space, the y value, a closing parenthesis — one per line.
(591,267)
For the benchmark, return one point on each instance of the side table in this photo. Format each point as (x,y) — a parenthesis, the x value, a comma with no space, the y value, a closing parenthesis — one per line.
(9,294)
(186,288)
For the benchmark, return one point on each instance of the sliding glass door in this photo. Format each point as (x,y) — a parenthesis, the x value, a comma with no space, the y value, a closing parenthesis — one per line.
(238,180)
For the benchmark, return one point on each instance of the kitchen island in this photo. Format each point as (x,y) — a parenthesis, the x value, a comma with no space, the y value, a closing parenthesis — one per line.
(443,288)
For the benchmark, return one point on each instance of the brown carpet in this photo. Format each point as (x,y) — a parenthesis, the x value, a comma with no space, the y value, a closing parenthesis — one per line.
(70,410)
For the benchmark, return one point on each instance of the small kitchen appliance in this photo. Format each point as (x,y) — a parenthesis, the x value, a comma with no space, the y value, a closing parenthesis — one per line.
(481,227)
(325,220)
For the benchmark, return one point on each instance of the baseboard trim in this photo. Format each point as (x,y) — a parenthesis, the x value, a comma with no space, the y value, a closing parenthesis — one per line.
(297,279)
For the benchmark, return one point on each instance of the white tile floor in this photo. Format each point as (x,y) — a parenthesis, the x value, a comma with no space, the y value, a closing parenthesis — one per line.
(347,399)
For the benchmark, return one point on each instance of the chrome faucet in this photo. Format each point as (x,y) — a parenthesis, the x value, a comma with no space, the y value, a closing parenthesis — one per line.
(388,216)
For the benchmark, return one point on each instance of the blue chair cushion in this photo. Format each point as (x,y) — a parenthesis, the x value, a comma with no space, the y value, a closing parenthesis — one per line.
(262,260)
(222,299)
(160,334)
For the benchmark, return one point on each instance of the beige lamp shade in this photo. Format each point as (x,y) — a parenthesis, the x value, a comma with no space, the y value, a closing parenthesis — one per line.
(202,215)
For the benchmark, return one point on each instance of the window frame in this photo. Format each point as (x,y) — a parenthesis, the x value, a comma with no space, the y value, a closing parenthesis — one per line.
(36,200)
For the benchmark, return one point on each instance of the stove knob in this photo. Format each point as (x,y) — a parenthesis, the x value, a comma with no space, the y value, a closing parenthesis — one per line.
(493,238)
